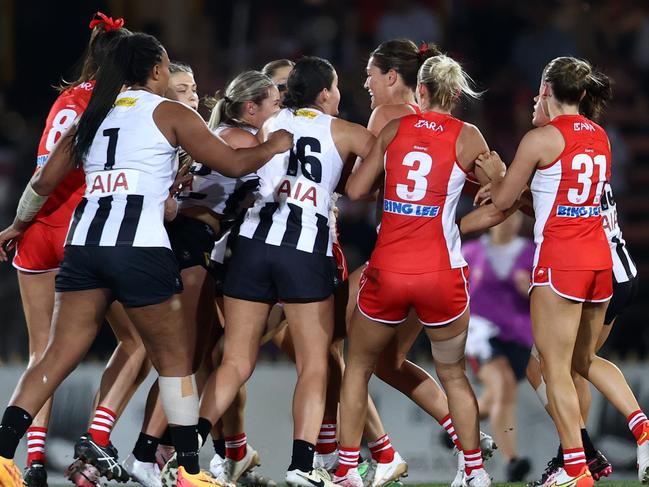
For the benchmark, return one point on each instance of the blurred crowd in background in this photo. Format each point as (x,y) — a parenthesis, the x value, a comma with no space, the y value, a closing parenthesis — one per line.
(503,45)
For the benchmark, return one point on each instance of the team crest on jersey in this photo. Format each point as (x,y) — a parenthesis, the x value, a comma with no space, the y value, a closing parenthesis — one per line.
(566,211)
(126,102)
(105,183)
(429,124)
(303,112)
(409,209)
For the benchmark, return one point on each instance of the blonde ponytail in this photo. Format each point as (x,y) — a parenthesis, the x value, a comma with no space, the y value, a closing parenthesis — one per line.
(445,81)
(248,86)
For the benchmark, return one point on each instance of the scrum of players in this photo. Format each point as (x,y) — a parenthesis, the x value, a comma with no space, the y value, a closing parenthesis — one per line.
(142,214)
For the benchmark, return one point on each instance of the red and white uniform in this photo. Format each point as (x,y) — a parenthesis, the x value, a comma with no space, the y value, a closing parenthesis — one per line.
(41,247)
(572,251)
(417,261)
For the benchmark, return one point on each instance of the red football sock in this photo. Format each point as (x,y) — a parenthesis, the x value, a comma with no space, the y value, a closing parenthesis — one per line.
(639,426)
(36,444)
(574,460)
(235,447)
(381,449)
(347,459)
(327,438)
(102,425)
(472,460)
(447,424)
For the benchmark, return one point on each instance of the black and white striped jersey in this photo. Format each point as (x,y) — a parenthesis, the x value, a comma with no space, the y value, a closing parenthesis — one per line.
(624,268)
(226,196)
(129,169)
(294,201)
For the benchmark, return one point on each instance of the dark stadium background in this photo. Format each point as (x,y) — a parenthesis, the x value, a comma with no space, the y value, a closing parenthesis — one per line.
(502,44)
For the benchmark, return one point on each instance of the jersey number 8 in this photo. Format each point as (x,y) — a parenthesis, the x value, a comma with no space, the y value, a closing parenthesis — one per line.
(61,122)
(418,176)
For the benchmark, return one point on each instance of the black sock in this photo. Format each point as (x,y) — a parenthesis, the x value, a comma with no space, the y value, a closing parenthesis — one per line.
(589,448)
(204,428)
(166,438)
(15,422)
(560,455)
(145,448)
(302,458)
(219,447)
(185,440)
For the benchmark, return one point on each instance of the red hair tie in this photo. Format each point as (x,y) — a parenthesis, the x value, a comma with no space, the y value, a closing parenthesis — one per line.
(423,48)
(108,22)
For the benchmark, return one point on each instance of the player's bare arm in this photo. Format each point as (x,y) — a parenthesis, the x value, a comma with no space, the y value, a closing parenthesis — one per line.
(362,181)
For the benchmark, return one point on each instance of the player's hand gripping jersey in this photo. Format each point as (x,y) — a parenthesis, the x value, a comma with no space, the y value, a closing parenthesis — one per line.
(294,201)
(418,246)
(41,247)
(567,203)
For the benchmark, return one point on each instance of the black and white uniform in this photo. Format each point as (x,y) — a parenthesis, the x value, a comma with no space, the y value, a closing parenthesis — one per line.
(193,241)
(284,247)
(117,238)
(625,273)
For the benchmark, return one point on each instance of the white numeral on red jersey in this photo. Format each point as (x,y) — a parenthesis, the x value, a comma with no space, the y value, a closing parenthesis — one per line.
(417,175)
(584,164)
(62,121)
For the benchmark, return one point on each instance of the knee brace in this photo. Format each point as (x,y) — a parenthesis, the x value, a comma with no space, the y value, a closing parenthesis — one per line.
(449,351)
(179,397)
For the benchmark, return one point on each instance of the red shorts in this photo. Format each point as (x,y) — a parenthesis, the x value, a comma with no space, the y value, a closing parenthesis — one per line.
(591,286)
(40,249)
(438,297)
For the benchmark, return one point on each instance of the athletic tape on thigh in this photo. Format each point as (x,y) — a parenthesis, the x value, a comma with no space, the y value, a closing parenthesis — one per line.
(179,397)
(449,351)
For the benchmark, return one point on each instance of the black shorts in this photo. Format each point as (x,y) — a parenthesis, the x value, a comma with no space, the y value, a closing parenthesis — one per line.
(267,273)
(517,356)
(192,242)
(624,294)
(136,276)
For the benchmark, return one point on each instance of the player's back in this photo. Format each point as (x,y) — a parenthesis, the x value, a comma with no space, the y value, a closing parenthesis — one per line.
(226,196)
(567,199)
(69,105)
(423,182)
(295,191)
(129,170)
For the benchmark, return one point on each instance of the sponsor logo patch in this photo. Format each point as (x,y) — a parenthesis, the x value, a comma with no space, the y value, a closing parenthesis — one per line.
(410,209)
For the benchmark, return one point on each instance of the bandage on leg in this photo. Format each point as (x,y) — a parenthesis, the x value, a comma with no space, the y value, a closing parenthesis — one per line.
(449,351)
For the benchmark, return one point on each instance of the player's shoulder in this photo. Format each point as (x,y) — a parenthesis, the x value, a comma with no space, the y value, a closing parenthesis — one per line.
(81,91)
(391,111)
(238,137)
(384,114)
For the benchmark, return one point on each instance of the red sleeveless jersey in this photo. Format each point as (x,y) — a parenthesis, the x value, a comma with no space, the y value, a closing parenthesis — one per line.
(568,231)
(423,182)
(70,104)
